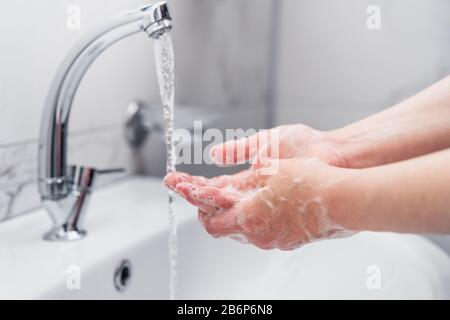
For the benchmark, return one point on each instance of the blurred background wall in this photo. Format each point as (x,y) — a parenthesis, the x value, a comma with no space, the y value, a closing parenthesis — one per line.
(331,69)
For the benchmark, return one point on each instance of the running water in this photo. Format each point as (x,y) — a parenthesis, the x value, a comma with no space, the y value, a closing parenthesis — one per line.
(165,71)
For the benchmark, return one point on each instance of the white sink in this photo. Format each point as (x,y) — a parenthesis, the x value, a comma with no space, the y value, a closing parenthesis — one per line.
(128,220)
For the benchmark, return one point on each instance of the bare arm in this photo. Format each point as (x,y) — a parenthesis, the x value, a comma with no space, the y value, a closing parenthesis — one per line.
(411,196)
(416,126)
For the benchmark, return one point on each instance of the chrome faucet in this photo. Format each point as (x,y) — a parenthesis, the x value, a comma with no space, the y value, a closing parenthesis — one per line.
(65,190)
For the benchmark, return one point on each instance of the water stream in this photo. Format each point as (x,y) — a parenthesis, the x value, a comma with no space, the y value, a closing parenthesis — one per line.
(164,57)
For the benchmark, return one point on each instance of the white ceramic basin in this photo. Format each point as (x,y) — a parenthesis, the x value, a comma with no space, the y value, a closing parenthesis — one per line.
(128,220)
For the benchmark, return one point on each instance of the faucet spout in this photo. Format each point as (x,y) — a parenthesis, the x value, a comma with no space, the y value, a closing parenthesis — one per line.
(54,176)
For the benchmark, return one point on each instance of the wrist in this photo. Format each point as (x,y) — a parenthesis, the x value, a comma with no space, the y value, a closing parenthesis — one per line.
(346,199)
(355,150)
(344,151)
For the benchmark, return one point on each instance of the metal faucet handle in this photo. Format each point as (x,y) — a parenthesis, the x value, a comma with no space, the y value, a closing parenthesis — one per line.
(68,223)
(84,177)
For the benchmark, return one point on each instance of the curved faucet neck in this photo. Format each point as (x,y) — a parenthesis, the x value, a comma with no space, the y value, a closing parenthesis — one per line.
(54,176)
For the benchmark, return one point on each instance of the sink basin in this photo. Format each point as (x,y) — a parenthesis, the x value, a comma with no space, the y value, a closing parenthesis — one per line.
(128,221)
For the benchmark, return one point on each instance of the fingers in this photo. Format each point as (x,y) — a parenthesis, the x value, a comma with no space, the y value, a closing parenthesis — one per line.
(242,181)
(174,178)
(226,225)
(191,193)
(217,197)
(231,152)
(238,180)
(210,199)
(220,181)
(239,151)
(221,225)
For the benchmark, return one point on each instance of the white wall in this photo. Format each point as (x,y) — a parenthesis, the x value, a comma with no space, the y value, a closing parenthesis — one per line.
(333,70)
(35,39)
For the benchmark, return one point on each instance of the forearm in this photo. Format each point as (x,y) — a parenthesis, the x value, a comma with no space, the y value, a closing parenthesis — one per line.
(416,126)
(411,196)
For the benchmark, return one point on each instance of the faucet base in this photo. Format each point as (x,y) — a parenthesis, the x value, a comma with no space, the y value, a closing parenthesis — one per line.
(61,234)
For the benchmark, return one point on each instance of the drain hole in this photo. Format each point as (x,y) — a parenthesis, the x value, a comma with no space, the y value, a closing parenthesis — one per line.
(122,275)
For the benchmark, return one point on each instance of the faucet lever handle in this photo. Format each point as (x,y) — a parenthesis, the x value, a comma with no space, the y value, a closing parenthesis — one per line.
(84,177)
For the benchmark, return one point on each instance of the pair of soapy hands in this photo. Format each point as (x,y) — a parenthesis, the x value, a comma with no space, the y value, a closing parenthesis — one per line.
(283,207)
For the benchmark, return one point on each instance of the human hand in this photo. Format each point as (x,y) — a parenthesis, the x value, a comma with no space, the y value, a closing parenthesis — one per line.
(282,142)
(284,210)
